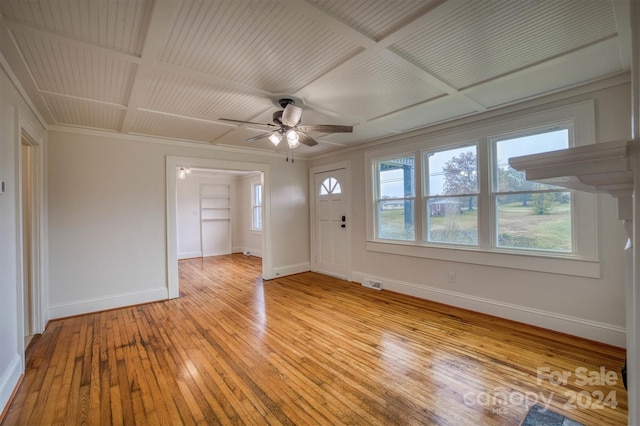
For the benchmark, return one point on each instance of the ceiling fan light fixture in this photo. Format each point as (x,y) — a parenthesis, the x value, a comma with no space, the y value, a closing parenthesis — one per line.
(293,139)
(275,138)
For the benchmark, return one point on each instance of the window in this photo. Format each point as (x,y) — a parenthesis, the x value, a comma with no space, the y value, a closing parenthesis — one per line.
(330,186)
(256,206)
(395,195)
(472,207)
(530,215)
(452,195)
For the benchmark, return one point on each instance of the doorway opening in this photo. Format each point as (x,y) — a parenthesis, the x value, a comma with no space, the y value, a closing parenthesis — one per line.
(29,236)
(213,211)
(219,213)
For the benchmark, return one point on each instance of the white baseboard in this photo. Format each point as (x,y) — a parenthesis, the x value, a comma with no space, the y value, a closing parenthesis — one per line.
(9,379)
(189,255)
(298,268)
(600,332)
(109,302)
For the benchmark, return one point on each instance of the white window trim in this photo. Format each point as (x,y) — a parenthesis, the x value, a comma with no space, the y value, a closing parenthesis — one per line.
(414,197)
(584,262)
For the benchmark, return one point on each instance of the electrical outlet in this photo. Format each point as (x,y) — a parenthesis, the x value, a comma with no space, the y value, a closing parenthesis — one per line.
(452,277)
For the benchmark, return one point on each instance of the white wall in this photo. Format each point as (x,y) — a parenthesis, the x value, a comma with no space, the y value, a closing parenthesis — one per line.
(11,355)
(107,218)
(592,308)
(188,214)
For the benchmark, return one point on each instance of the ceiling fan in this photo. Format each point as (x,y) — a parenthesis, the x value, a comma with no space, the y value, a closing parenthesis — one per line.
(287,124)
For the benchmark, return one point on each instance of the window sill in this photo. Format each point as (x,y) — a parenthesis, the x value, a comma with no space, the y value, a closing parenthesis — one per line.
(553,264)
(255,231)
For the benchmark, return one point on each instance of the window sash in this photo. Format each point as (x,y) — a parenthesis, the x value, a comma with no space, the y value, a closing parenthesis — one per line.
(256,207)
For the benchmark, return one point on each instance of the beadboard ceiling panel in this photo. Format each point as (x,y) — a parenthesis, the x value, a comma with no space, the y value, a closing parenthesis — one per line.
(118,25)
(370,89)
(435,112)
(527,84)
(73,112)
(163,125)
(71,70)
(481,40)
(255,43)
(375,19)
(173,68)
(191,97)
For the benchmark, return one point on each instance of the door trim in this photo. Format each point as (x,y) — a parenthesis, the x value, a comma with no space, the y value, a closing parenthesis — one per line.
(172,163)
(28,133)
(346,165)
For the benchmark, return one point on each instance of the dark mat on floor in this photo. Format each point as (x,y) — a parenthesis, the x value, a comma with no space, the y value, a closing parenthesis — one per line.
(539,416)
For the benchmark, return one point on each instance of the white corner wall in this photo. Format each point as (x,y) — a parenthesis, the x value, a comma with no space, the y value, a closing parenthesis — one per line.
(587,307)
(107,218)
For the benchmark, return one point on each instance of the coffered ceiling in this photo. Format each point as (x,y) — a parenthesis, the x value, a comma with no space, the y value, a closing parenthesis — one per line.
(171,69)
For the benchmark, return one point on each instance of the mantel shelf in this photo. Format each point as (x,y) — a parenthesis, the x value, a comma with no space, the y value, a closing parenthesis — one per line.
(602,168)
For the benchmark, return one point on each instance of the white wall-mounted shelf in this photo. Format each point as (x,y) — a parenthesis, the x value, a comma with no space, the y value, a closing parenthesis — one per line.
(600,168)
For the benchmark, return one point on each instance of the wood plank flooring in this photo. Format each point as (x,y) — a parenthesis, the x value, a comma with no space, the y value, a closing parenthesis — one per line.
(305,349)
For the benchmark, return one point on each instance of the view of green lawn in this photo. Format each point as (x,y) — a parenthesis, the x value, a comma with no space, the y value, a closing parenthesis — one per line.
(518,227)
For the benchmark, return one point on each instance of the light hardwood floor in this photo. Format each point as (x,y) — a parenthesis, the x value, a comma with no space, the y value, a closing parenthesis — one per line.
(305,349)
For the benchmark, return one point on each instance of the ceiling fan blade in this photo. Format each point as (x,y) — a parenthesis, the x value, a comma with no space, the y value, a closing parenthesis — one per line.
(261,136)
(249,122)
(291,115)
(325,128)
(306,139)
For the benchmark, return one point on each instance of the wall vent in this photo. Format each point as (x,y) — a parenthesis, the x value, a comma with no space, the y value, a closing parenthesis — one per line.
(370,283)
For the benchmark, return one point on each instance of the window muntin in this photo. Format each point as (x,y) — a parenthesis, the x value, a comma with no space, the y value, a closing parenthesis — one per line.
(256,206)
(330,186)
(529,215)
(395,198)
(451,202)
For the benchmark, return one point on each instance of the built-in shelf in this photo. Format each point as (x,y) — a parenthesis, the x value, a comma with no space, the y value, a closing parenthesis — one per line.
(601,168)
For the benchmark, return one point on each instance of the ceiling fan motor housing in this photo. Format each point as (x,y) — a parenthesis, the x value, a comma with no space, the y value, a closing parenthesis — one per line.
(277,117)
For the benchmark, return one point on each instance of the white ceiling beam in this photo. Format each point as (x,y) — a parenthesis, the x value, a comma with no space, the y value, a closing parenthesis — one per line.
(162,18)
(83,99)
(465,93)
(611,41)
(331,23)
(372,48)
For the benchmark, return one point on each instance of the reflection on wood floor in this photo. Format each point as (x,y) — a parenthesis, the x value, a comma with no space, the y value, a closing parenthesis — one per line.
(305,349)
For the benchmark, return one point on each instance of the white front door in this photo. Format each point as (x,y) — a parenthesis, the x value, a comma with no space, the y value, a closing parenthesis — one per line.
(331,223)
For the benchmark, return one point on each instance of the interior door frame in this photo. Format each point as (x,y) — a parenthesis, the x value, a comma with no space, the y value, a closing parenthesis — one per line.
(346,165)
(172,164)
(27,133)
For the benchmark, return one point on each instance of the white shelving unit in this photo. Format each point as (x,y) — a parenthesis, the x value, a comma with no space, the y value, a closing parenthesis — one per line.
(215,219)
